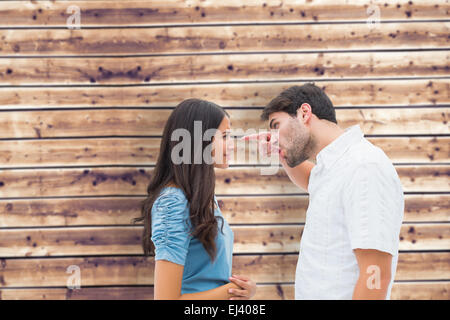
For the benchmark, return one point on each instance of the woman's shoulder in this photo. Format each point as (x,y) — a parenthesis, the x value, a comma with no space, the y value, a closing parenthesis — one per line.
(171,191)
(170,199)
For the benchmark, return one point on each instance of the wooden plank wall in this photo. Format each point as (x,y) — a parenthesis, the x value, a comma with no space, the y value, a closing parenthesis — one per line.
(81,114)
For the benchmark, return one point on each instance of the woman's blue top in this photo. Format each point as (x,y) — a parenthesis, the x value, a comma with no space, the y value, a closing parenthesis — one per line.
(173,242)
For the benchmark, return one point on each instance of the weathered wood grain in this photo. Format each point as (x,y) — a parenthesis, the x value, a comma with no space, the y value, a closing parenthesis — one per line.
(237,210)
(38,242)
(144,151)
(260,38)
(342,93)
(84,293)
(412,149)
(410,175)
(429,290)
(213,68)
(133,13)
(157,53)
(233,181)
(421,291)
(148,122)
(138,270)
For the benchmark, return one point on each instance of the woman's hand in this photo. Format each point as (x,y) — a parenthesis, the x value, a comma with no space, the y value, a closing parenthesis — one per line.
(247,291)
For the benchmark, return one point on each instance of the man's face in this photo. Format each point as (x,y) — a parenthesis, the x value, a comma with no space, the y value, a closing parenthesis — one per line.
(295,140)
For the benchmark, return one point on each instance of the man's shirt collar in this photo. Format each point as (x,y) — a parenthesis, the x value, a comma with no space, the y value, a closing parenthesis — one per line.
(336,149)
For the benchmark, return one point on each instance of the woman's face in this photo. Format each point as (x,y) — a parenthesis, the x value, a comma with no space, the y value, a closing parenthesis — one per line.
(222,144)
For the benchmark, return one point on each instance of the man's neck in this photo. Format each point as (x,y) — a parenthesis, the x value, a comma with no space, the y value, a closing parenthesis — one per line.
(324,132)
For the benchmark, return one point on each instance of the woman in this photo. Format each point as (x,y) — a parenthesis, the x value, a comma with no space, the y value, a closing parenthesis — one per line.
(183,224)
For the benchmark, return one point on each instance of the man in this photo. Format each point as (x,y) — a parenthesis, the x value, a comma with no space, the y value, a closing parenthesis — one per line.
(349,245)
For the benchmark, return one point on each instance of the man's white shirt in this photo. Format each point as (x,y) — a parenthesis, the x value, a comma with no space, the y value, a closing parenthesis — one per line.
(355,201)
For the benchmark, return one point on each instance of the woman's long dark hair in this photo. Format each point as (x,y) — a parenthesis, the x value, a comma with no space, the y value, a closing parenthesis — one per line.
(196,180)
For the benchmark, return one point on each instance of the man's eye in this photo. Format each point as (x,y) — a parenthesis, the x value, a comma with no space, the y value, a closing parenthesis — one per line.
(275,126)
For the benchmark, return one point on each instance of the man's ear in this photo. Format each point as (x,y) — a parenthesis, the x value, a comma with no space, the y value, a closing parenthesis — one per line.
(304,112)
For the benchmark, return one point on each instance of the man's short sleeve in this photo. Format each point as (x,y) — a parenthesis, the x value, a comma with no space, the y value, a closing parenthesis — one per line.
(373,208)
(170,232)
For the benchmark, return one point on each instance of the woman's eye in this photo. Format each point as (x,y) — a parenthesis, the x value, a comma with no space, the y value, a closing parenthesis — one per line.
(275,126)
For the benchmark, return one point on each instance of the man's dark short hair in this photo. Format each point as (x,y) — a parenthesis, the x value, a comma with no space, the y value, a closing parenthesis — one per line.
(292,98)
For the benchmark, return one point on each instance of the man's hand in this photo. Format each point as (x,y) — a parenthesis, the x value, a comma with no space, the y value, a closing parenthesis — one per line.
(264,136)
(268,143)
(248,288)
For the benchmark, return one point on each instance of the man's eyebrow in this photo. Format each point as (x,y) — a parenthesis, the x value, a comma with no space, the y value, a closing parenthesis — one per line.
(270,124)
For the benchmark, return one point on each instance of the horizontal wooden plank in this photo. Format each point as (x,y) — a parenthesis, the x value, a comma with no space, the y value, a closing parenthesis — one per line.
(342,93)
(144,151)
(146,122)
(40,242)
(233,181)
(411,177)
(191,39)
(426,208)
(434,290)
(85,293)
(421,291)
(136,13)
(139,270)
(400,291)
(429,290)
(412,149)
(210,68)
(237,210)
(287,238)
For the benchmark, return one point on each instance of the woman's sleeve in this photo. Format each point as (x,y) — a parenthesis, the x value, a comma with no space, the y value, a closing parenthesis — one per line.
(170,232)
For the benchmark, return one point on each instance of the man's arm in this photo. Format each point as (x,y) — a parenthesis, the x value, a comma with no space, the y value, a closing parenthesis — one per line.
(374,274)
(299,175)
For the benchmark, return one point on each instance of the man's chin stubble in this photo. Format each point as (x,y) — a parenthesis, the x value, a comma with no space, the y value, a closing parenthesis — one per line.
(304,155)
